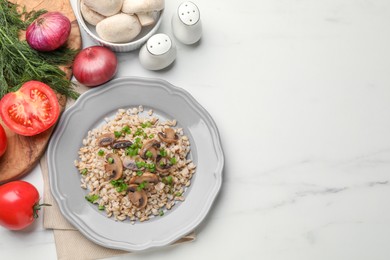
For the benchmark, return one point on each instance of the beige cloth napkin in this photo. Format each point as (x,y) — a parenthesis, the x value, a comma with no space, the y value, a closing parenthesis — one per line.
(70,243)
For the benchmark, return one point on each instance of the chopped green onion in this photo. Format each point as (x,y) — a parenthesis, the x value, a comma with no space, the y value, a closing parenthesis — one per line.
(142,186)
(139,173)
(163,153)
(84,171)
(101,207)
(151,167)
(151,136)
(92,198)
(168,180)
(146,124)
(110,160)
(117,134)
(173,160)
(101,153)
(178,194)
(161,213)
(120,185)
(162,163)
(126,129)
(131,151)
(140,164)
(139,132)
(149,154)
(135,152)
(137,143)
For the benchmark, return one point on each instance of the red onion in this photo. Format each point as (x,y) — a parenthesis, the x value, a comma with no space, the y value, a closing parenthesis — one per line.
(48,32)
(94,66)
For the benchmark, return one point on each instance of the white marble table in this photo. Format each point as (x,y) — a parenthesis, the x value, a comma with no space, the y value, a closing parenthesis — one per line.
(300,91)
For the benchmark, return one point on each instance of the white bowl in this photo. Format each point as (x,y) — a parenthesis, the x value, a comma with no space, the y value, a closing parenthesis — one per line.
(143,36)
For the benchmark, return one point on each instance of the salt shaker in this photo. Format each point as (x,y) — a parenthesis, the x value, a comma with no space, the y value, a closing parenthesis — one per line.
(186,23)
(158,52)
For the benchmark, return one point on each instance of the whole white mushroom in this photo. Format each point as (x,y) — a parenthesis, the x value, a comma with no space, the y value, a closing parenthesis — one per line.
(90,15)
(119,28)
(105,7)
(142,6)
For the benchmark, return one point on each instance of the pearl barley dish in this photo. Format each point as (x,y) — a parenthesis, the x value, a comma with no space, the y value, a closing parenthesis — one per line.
(135,167)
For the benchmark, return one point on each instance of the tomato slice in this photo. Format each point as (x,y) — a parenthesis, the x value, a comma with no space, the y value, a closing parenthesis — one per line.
(31,110)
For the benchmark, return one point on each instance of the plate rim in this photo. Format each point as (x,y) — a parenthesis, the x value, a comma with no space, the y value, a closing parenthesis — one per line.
(218,171)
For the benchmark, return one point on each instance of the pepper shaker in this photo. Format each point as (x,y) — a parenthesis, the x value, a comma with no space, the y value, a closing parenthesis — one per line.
(158,52)
(186,23)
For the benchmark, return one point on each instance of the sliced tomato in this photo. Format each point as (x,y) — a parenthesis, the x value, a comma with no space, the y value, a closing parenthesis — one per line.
(31,110)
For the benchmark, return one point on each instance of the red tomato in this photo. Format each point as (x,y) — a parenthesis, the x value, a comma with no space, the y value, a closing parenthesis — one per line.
(31,110)
(3,141)
(18,204)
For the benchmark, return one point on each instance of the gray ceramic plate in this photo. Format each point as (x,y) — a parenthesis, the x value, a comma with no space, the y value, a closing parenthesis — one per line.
(168,102)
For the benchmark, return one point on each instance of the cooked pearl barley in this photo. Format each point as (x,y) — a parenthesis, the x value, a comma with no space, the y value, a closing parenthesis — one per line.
(160,195)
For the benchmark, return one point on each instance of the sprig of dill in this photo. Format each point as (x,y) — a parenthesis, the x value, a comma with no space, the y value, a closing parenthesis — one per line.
(20,63)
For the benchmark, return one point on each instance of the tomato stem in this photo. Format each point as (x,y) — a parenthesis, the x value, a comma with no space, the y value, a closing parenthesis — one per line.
(37,207)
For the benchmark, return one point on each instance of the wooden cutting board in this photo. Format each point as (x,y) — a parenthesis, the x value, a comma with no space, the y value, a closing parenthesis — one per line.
(23,153)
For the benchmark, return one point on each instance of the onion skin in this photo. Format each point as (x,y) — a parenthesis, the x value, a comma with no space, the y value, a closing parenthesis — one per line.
(48,32)
(95,65)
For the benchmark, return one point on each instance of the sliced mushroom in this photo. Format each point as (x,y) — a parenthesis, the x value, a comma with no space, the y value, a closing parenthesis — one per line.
(150,145)
(129,163)
(114,169)
(106,139)
(146,177)
(120,144)
(137,197)
(163,165)
(169,136)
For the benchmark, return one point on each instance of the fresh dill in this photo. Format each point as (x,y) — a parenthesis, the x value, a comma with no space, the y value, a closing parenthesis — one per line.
(20,63)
